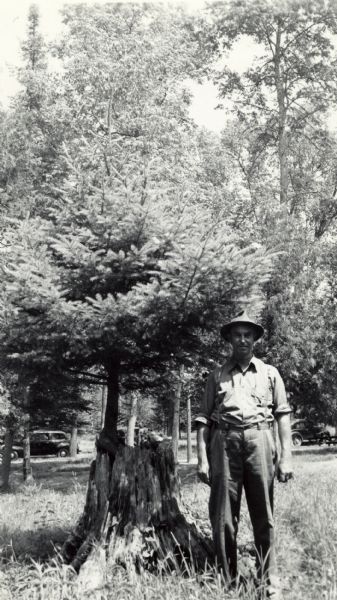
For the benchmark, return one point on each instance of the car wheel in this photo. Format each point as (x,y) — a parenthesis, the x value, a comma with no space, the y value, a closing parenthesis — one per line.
(296,439)
(14,455)
(62,453)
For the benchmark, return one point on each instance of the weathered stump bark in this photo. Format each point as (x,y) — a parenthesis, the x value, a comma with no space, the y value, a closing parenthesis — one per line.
(133,512)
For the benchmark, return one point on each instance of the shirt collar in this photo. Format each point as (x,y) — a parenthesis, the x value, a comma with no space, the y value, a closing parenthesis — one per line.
(253,365)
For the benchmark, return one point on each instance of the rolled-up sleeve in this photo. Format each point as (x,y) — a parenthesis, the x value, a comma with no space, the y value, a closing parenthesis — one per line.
(207,404)
(280,401)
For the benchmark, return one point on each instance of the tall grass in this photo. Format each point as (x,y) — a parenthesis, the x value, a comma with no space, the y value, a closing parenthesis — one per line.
(35,520)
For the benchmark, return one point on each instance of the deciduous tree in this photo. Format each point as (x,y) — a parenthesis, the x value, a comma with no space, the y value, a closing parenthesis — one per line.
(291,80)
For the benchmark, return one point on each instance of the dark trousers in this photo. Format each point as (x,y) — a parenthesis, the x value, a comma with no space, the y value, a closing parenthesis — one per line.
(242,459)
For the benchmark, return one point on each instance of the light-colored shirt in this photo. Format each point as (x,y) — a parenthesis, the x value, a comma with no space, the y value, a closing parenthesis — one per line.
(243,397)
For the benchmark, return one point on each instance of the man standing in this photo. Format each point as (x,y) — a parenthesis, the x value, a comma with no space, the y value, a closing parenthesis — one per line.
(236,449)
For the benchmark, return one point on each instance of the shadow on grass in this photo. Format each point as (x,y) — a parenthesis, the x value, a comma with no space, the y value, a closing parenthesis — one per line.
(32,544)
(61,474)
(54,474)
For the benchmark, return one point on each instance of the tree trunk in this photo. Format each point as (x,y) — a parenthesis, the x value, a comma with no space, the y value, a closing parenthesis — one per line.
(169,422)
(282,118)
(133,514)
(26,465)
(176,414)
(6,460)
(189,428)
(107,440)
(130,436)
(103,405)
(73,440)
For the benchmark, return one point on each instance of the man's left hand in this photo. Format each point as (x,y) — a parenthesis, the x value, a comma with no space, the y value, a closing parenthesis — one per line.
(284,471)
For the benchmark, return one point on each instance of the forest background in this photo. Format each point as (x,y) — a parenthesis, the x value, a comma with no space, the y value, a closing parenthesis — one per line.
(129,233)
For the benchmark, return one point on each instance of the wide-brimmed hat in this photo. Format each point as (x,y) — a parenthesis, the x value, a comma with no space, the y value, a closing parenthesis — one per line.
(242,319)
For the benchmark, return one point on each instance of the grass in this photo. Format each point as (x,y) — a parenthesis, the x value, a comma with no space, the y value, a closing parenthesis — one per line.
(35,520)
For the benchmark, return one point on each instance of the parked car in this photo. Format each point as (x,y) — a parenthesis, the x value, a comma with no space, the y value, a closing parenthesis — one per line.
(43,442)
(303,431)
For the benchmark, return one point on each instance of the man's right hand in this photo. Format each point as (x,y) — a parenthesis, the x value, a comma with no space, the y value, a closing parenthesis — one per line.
(203,473)
(202,442)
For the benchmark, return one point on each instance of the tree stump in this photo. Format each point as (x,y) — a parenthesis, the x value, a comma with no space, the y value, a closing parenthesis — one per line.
(133,513)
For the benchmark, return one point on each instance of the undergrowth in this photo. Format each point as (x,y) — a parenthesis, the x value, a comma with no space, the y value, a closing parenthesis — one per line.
(34,522)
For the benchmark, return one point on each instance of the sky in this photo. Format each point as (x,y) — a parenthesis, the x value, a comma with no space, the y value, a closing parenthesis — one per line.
(13,24)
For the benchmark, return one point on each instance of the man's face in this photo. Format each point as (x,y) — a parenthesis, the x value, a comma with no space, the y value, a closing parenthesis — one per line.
(242,338)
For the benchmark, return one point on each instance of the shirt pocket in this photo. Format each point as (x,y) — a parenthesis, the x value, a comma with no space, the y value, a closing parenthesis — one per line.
(225,393)
(258,397)
(260,394)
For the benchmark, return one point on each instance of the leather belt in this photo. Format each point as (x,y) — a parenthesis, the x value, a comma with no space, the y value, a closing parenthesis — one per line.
(226,426)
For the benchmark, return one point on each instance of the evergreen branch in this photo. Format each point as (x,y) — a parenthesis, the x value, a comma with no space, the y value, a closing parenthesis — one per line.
(194,272)
(93,376)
